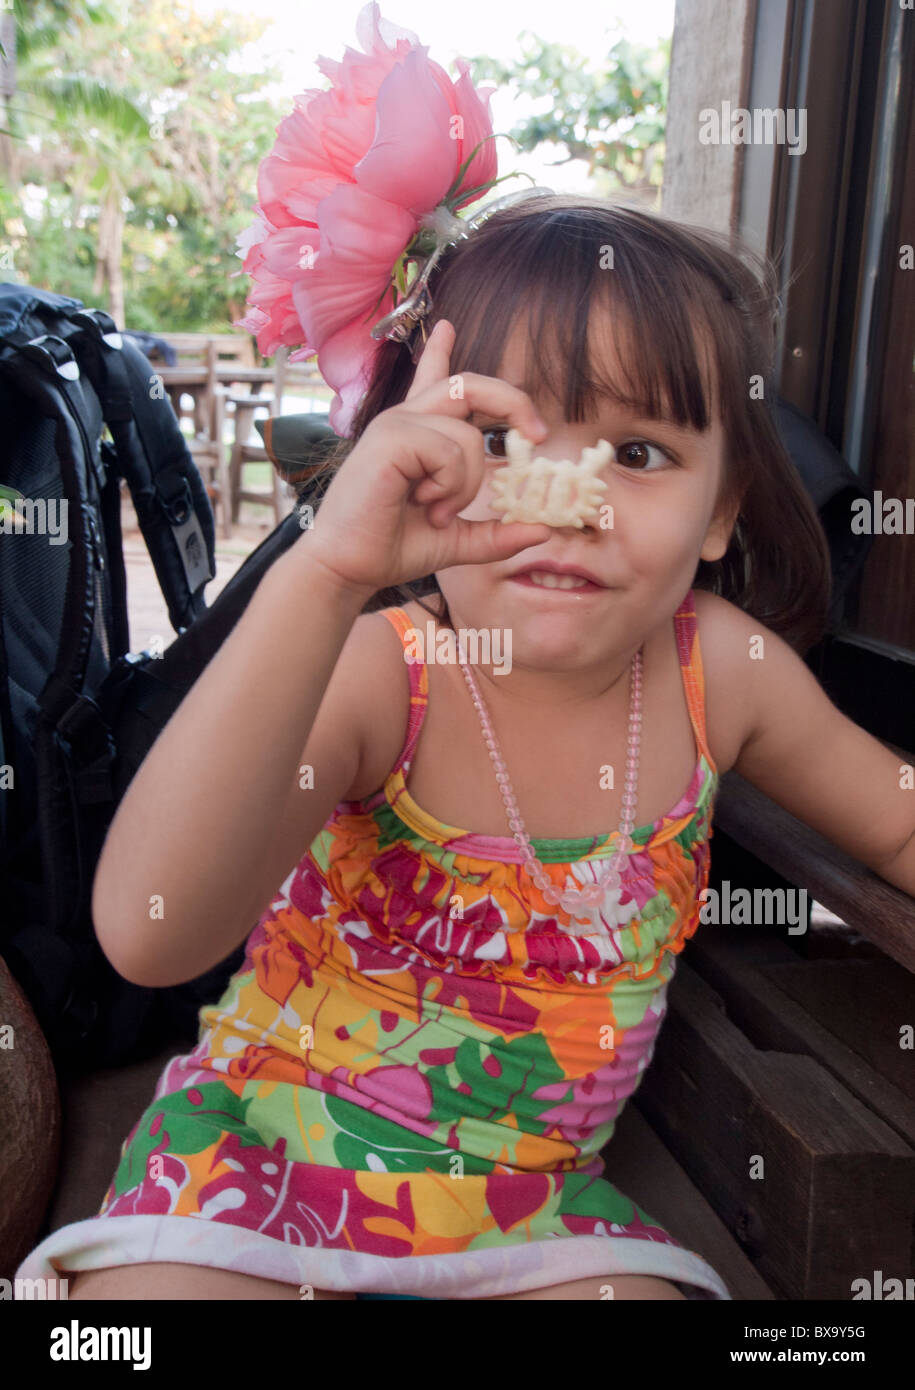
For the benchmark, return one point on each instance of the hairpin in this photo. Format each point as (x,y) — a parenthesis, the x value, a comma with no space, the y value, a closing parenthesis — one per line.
(400,325)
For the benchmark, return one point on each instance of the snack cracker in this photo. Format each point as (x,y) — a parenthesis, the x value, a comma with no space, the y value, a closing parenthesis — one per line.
(556,492)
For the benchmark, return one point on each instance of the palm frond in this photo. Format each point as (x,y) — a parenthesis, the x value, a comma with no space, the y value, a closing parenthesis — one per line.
(95,99)
(44,30)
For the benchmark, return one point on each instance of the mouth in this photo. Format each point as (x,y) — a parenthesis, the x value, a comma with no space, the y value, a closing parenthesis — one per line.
(557,581)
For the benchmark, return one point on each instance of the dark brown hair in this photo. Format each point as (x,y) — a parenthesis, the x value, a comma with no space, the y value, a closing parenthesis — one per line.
(679,295)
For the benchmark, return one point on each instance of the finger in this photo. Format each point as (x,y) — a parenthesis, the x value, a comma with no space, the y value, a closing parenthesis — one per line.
(467,392)
(459,489)
(415,449)
(435,362)
(483,542)
(434,463)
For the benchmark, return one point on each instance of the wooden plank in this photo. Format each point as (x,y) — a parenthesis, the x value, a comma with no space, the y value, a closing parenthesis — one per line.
(875,997)
(761,945)
(639,1164)
(819,1009)
(817,1189)
(863,899)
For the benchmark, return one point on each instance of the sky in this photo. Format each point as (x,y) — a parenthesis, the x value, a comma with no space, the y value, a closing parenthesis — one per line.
(304,29)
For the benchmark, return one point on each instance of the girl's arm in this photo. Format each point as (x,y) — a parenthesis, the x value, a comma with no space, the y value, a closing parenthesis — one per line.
(216,816)
(801,751)
(217,813)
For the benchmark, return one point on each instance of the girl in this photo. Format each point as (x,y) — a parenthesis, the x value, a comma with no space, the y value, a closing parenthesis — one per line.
(408,1086)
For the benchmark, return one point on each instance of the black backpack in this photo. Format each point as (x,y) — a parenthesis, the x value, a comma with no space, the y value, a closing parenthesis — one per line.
(78,709)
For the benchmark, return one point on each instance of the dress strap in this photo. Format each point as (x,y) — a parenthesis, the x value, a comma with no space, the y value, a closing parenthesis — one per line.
(690,654)
(688,650)
(419,683)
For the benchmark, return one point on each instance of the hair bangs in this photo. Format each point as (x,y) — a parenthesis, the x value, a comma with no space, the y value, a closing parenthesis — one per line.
(562,283)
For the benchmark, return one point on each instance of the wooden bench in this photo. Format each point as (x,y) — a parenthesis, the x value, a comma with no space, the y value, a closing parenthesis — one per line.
(781,1082)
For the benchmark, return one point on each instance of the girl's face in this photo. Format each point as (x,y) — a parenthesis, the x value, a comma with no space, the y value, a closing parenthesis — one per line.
(662,483)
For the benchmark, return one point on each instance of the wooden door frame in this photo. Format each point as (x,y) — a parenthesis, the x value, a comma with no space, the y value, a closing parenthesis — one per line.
(849,63)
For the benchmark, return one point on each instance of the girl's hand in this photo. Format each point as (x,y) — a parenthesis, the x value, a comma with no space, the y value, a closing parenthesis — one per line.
(390,514)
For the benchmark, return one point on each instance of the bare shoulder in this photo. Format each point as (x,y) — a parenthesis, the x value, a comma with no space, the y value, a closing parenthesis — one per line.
(720,620)
(725,634)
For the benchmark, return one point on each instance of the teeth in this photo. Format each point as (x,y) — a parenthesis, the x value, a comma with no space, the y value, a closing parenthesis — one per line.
(548,580)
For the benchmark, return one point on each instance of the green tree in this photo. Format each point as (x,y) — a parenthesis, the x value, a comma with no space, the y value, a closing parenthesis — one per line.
(612,114)
(150,167)
(37,91)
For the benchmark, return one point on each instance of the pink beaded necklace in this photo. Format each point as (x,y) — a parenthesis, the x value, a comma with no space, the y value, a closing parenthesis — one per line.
(592,893)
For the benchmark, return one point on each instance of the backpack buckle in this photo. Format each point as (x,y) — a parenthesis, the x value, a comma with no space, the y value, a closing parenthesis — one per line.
(93,750)
(101,326)
(53,355)
(174,496)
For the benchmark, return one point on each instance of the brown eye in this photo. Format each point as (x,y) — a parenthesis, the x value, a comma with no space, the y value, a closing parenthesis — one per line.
(498,450)
(635,454)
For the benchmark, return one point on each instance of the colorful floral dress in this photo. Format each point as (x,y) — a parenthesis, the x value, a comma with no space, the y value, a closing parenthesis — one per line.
(407,1087)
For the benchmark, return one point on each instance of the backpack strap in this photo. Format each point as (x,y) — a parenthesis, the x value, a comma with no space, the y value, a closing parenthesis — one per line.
(141,693)
(171,502)
(56,394)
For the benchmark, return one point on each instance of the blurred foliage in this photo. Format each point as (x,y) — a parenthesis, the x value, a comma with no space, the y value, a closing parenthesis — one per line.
(131,164)
(131,133)
(611,113)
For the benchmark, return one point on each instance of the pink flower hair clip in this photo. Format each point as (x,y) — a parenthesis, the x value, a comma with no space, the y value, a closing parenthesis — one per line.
(364,179)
